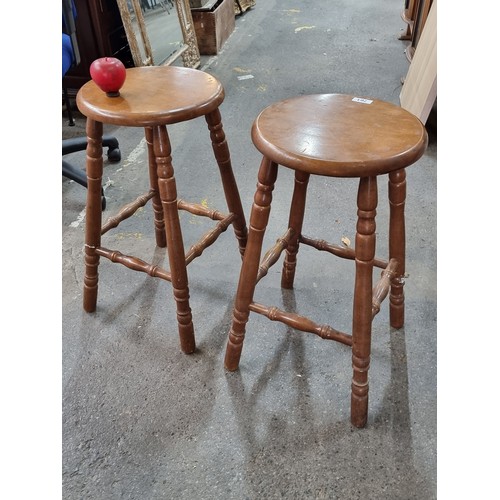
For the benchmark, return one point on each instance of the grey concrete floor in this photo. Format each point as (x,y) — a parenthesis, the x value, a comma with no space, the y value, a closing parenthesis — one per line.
(141,420)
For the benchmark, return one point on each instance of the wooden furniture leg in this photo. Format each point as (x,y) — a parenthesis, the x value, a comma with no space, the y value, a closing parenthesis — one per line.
(175,245)
(93,213)
(296,218)
(248,277)
(223,158)
(159,222)
(397,244)
(362,306)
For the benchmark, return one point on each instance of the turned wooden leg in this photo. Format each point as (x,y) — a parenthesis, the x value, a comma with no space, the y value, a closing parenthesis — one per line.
(93,214)
(175,244)
(156,201)
(221,152)
(258,221)
(296,218)
(397,198)
(362,307)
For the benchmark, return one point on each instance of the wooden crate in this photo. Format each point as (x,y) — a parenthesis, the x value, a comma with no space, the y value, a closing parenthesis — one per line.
(213,24)
(197,4)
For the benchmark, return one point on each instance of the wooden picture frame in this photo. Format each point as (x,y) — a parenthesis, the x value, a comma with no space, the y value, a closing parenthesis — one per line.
(140,38)
(241,6)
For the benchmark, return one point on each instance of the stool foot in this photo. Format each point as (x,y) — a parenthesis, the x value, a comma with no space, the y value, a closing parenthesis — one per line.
(233,355)
(296,218)
(185,321)
(90,297)
(397,245)
(90,280)
(397,305)
(187,341)
(359,410)
(236,338)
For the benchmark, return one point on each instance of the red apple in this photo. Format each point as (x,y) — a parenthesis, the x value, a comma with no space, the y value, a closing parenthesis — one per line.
(109,75)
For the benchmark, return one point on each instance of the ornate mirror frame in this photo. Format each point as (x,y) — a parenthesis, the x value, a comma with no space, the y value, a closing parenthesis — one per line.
(188,50)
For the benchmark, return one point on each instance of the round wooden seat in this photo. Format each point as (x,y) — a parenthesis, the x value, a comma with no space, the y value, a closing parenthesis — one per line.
(339,135)
(153,95)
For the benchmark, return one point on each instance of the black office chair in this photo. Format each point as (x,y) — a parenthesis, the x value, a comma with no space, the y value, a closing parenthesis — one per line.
(80,144)
(70,58)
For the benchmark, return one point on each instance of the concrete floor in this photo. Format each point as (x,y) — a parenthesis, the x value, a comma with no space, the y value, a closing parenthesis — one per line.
(141,420)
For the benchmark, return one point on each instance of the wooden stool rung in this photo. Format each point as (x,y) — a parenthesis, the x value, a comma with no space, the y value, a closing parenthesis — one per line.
(339,251)
(209,237)
(381,289)
(197,209)
(126,211)
(134,263)
(301,323)
(274,253)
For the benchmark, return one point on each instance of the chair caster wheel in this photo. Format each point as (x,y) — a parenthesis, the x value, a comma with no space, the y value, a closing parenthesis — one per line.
(114,155)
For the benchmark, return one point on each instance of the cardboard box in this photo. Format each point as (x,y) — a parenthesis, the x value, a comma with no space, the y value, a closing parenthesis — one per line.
(213,24)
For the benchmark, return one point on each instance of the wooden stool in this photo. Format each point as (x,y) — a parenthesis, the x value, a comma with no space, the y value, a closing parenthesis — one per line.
(153,97)
(337,136)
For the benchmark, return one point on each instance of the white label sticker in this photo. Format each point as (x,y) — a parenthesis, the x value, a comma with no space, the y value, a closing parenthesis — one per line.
(360,99)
